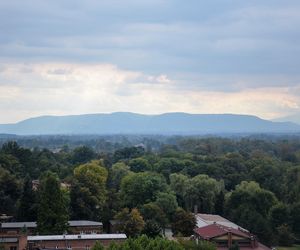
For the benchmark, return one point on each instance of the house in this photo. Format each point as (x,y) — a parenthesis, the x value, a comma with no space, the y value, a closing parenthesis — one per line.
(225,237)
(75,227)
(224,233)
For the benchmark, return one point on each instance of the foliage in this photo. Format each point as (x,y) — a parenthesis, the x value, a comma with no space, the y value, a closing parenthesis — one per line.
(130,222)
(27,209)
(183,223)
(82,155)
(155,219)
(140,188)
(249,205)
(88,192)
(279,214)
(254,181)
(285,236)
(145,243)
(98,246)
(10,189)
(52,215)
(295,217)
(118,171)
(167,202)
(194,245)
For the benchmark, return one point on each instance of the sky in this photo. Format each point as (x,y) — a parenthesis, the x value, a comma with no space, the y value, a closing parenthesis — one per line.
(62,57)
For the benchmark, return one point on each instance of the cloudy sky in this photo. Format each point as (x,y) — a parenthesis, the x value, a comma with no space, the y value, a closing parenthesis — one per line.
(149,56)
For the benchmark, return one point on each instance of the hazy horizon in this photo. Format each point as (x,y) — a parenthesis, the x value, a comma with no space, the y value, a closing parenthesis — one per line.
(72,57)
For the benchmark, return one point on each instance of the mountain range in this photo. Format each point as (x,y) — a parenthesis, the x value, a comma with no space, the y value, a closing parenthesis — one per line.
(132,123)
(295,118)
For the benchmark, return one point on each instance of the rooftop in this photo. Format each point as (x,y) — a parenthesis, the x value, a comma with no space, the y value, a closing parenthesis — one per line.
(72,223)
(76,237)
(208,219)
(214,230)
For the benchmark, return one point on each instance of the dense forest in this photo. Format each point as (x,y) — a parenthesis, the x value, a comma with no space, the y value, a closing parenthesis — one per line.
(157,183)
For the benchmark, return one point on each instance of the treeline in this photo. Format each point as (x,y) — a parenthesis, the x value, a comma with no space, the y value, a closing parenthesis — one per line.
(255,183)
(145,243)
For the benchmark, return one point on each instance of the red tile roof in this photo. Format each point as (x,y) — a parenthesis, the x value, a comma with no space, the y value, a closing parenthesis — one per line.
(215,230)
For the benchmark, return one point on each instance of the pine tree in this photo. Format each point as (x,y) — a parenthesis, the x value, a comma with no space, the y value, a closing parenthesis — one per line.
(28,208)
(52,209)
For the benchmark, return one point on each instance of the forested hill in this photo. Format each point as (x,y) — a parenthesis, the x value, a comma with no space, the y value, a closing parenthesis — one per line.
(131,123)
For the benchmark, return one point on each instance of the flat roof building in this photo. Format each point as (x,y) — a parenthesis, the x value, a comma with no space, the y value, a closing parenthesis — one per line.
(75,227)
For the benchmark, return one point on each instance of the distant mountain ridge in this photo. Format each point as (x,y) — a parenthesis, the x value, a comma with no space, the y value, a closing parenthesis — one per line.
(295,118)
(132,123)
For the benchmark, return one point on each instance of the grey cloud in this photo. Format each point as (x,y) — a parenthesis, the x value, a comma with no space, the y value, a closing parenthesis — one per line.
(215,38)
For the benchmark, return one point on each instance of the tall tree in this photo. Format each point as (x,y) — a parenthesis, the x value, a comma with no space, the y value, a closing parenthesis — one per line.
(27,210)
(167,202)
(10,190)
(249,206)
(52,211)
(88,191)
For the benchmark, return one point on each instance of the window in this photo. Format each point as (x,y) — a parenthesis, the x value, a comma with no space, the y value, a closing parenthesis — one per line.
(13,248)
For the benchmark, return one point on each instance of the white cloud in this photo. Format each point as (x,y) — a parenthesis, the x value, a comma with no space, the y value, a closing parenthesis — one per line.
(28,90)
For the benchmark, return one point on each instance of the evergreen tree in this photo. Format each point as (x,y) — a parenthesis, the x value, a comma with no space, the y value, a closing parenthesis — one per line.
(52,209)
(27,209)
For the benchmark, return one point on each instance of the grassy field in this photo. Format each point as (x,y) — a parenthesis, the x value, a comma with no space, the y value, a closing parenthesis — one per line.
(295,247)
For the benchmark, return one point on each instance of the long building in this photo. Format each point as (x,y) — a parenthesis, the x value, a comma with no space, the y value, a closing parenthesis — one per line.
(75,227)
(62,242)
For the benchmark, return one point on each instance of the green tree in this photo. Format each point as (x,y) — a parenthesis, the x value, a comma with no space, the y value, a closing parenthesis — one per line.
(140,188)
(279,214)
(249,205)
(220,203)
(130,222)
(201,191)
(88,192)
(82,155)
(27,210)
(10,190)
(285,236)
(118,171)
(178,183)
(295,218)
(183,223)
(52,215)
(139,165)
(167,202)
(153,216)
